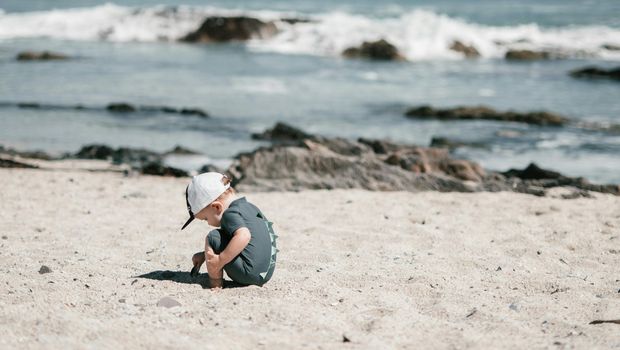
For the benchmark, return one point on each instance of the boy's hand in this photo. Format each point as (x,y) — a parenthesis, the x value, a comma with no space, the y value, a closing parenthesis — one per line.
(198,259)
(213,260)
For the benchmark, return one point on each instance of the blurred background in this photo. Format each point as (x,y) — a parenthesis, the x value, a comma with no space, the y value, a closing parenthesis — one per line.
(129,51)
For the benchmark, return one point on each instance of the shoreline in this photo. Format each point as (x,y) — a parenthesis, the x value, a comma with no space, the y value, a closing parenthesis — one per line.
(467,270)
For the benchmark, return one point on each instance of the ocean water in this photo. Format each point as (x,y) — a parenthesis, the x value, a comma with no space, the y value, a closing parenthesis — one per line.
(127,51)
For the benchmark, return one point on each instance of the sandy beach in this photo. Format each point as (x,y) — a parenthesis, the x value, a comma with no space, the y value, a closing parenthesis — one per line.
(356,269)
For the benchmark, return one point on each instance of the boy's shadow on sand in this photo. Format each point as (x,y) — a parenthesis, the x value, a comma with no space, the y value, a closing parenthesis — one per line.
(185,277)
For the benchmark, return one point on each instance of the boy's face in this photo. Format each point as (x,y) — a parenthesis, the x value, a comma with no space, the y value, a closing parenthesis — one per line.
(212,213)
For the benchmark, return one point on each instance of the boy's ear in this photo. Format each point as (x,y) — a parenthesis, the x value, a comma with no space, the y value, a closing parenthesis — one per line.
(217,206)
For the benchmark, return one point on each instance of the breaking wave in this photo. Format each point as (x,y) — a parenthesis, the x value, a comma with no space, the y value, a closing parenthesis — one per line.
(418,34)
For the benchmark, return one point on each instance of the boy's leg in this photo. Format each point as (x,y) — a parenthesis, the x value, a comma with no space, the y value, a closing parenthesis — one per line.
(234,269)
(214,245)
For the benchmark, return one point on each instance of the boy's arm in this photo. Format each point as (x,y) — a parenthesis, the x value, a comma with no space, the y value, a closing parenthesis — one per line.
(240,240)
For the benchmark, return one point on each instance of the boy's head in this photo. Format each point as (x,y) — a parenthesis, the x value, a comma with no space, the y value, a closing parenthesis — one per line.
(207,197)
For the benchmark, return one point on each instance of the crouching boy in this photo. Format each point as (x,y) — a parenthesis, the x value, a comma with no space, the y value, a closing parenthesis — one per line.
(244,245)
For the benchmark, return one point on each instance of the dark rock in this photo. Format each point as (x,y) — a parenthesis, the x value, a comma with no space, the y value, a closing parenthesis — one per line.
(611,47)
(486,113)
(121,107)
(596,73)
(380,146)
(194,111)
(26,154)
(44,269)
(181,151)
(145,161)
(468,51)
(94,151)
(443,142)
(281,132)
(527,55)
(40,56)
(221,29)
(207,168)
(533,179)
(162,170)
(375,50)
(135,156)
(28,105)
(532,172)
(295,20)
(9,163)
(577,194)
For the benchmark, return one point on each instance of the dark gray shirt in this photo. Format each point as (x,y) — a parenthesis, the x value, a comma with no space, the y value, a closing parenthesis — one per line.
(260,252)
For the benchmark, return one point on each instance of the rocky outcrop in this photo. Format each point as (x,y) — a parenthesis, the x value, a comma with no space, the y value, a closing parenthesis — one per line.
(116,107)
(486,113)
(528,55)
(443,142)
(11,163)
(611,47)
(298,160)
(40,56)
(180,150)
(120,107)
(222,29)
(535,177)
(281,132)
(375,50)
(315,162)
(25,154)
(468,51)
(123,107)
(596,73)
(144,161)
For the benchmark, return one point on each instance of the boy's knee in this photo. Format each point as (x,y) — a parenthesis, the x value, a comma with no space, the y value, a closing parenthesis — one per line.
(214,240)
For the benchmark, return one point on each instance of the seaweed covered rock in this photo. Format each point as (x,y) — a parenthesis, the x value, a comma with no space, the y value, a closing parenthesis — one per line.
(222,29)
(468,51)
(596,73)
(374,50)
(40,56)
(486,113)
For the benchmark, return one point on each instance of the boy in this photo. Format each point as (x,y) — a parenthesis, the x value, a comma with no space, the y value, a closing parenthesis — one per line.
(245,244)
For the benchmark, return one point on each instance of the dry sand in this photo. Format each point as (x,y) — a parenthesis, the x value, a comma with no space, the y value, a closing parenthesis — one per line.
(384,270)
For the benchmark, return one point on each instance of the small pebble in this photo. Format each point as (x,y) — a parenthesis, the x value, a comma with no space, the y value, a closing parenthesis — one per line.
(44,269)
(168,302)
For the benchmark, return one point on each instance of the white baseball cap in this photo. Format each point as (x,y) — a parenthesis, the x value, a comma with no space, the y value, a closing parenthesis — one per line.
(202,191)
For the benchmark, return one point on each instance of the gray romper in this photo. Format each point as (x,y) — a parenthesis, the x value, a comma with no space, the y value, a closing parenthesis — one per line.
(255,264)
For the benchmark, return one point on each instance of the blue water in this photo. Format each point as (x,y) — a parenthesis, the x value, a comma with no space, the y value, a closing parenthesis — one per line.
(302,80)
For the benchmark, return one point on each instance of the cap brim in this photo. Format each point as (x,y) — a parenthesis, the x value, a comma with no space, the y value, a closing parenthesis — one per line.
(189,208)
(191,218)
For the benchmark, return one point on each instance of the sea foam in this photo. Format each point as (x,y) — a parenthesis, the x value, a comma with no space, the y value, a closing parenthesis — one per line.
(418,34)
